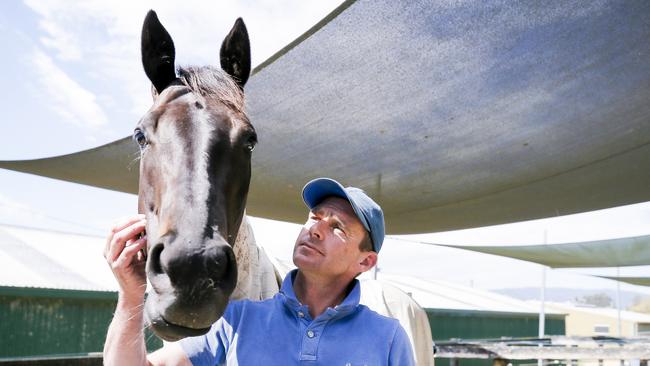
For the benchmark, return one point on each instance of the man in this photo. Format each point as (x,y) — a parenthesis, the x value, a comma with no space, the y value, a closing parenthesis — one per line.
(315,319)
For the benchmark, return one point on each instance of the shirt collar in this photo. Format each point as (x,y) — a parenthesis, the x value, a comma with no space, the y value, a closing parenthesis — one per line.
(348,305)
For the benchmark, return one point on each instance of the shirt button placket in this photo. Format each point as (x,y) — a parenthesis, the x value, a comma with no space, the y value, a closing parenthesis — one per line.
(309,350)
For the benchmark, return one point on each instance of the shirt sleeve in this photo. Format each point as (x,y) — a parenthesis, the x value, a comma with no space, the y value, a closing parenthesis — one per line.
(211,348)
(401,352)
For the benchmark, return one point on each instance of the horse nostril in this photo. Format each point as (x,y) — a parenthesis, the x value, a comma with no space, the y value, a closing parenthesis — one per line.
(185,267)
(218,262)
(154,258)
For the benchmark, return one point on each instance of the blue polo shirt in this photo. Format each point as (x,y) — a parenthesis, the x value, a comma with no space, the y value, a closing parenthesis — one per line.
(280,331)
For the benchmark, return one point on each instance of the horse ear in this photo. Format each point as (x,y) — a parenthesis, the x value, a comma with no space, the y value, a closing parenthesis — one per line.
(157,52)
(235,54)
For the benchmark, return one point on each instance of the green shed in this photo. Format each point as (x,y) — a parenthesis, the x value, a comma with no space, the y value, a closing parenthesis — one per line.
(466,313)
(40,321)
(449,324)
(57,295)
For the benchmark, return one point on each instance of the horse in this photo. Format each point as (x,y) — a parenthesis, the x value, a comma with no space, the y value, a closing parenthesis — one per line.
(196,143)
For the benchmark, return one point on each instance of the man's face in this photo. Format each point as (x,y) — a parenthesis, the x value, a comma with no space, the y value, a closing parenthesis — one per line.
(328,243)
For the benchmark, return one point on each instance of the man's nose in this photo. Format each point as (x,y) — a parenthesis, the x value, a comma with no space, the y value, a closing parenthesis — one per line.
(316,229)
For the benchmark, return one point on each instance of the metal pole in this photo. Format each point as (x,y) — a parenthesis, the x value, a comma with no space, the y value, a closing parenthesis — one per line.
(618,299)
(542,313)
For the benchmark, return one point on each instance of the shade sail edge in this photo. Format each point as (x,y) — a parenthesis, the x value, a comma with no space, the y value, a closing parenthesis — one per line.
(620,252)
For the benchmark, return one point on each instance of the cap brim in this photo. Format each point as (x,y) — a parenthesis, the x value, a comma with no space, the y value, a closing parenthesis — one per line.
(318,189)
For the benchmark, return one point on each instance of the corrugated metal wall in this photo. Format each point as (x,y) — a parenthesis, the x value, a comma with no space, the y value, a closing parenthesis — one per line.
(469,324)
(46,322)
(466,324)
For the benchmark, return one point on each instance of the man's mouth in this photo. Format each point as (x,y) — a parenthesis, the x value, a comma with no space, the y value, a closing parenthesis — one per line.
(305,244)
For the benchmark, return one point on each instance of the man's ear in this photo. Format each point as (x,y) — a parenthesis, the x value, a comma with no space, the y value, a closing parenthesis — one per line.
(368,260)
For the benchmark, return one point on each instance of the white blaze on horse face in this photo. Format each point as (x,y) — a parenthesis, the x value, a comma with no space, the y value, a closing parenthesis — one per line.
(171,147)
(199,185)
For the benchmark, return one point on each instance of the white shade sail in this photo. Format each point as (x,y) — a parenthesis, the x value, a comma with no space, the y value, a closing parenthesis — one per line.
(633,251)
(639,281)
(452,115)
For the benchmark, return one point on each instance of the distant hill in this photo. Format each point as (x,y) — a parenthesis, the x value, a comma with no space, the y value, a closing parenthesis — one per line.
(559,294)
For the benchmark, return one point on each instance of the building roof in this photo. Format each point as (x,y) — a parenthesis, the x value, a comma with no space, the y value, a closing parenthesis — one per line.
(50,259)
(437,294)
(39,258)
(606,312)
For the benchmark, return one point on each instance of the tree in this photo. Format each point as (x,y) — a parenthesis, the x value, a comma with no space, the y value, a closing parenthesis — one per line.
(601,300)
(641,304)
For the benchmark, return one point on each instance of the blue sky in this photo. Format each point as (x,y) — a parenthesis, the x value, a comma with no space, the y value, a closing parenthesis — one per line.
(73,80)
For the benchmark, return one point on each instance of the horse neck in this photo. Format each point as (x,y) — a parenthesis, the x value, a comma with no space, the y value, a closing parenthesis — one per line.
(256,277)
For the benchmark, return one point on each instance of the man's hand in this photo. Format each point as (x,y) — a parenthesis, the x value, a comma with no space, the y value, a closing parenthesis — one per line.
(124,255)
(125,339)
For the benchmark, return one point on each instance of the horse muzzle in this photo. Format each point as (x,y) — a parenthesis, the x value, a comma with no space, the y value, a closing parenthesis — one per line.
(191,282)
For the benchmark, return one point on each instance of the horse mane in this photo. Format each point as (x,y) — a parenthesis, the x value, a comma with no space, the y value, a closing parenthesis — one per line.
(212,82)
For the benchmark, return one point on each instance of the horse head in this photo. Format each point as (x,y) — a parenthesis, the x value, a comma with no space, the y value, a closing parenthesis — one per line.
(196,143)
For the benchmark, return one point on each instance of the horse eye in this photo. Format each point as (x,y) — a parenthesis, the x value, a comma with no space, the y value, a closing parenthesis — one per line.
(139,138)
(250,145)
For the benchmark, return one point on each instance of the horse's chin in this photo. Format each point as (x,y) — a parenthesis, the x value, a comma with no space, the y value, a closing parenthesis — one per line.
(172,332)
(173,323)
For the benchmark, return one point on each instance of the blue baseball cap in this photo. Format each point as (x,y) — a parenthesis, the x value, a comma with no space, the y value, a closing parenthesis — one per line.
(367,210)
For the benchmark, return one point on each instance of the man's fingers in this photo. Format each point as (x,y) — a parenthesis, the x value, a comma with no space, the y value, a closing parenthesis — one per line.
(120,239)
(127,221)
(126,256)
(118,226)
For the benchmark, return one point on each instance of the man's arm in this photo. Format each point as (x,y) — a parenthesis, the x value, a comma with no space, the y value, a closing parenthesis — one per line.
(125,343)
(125,339)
